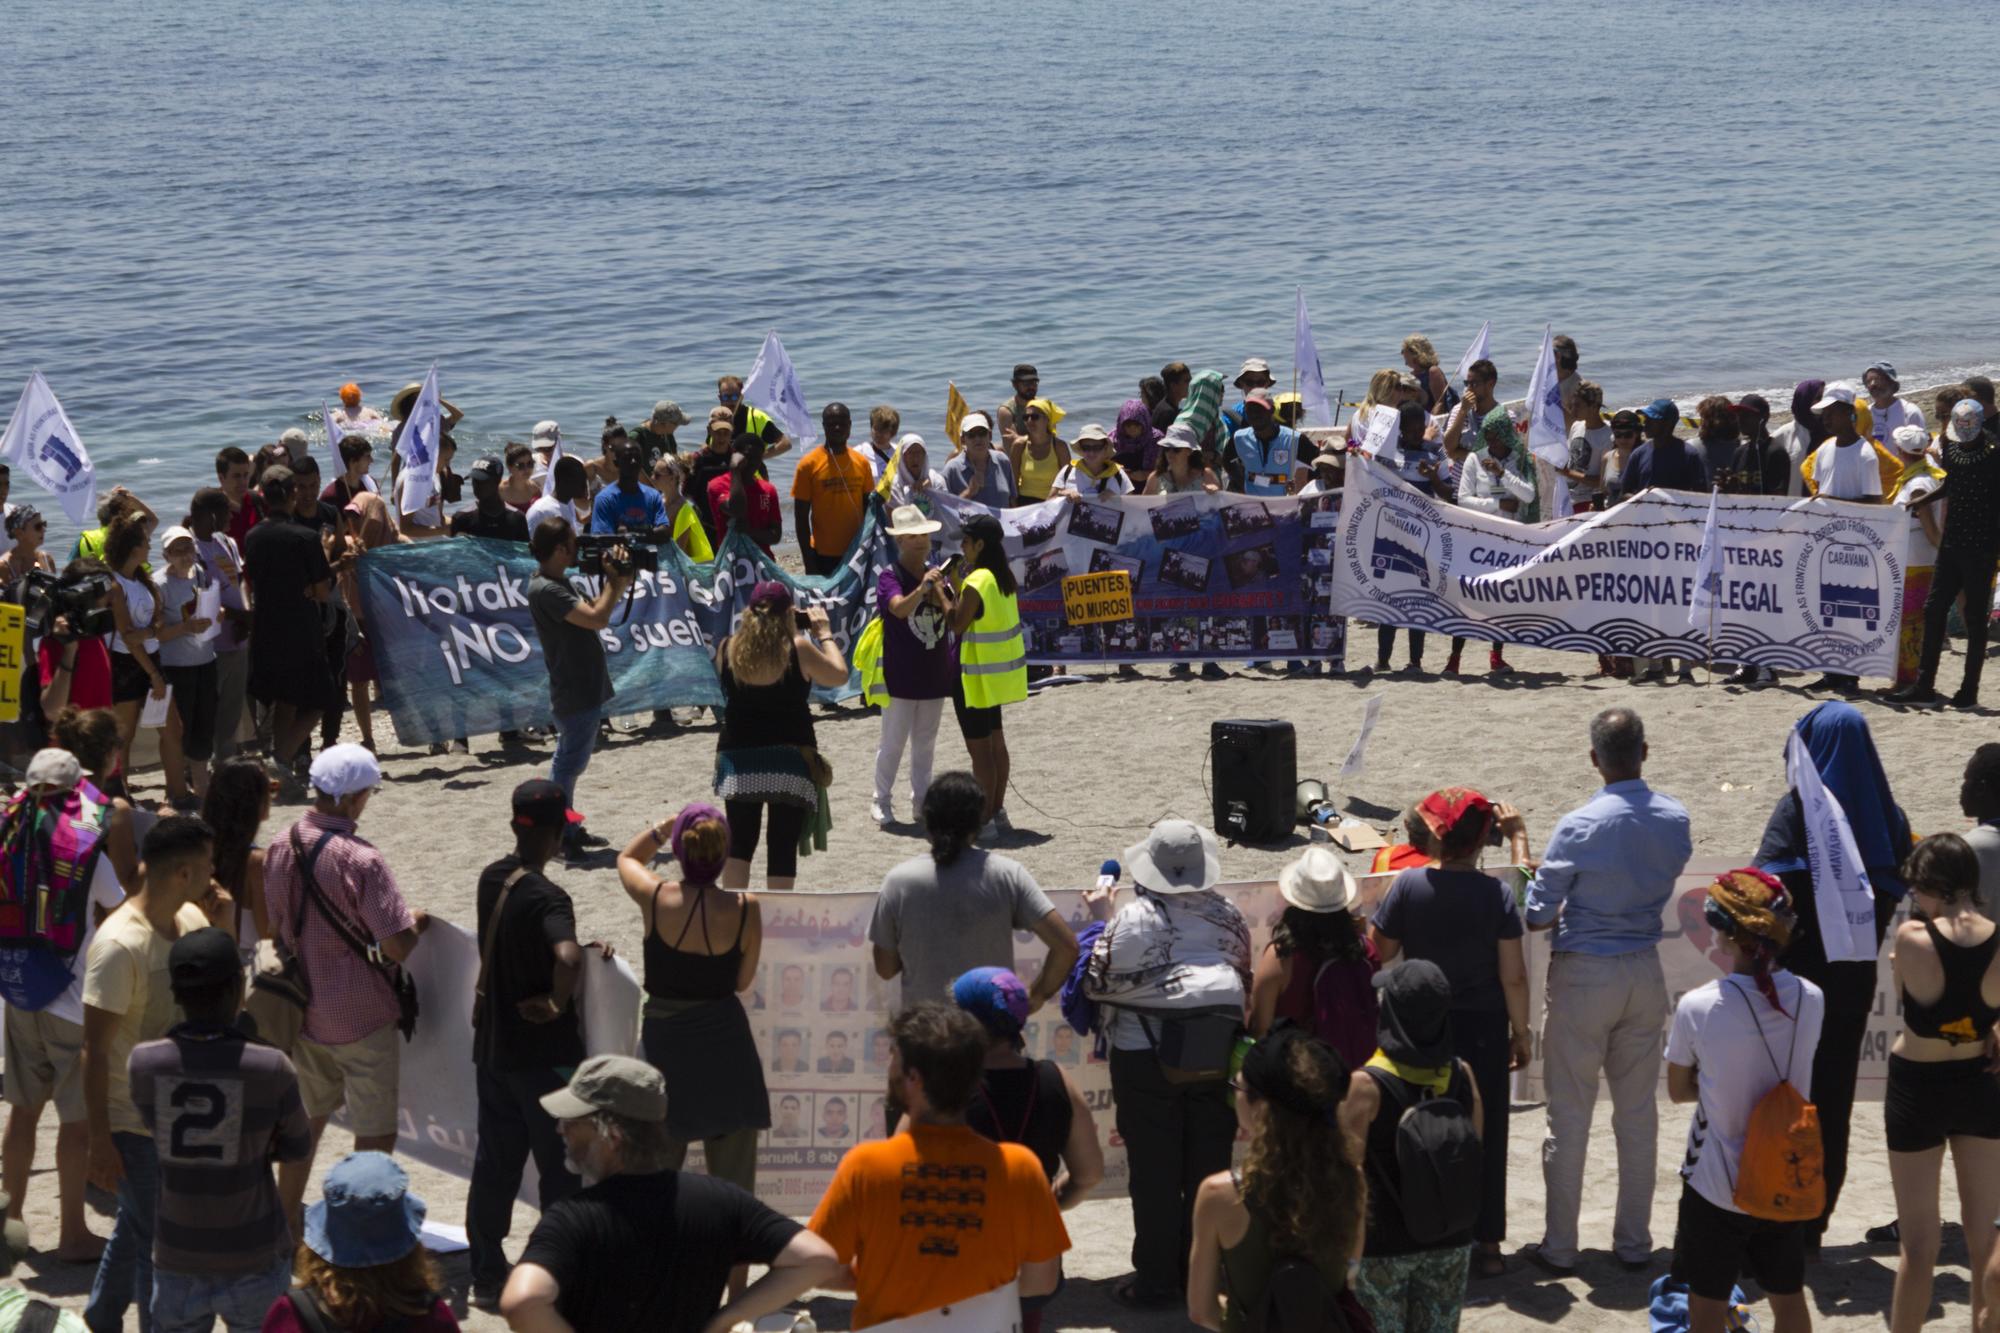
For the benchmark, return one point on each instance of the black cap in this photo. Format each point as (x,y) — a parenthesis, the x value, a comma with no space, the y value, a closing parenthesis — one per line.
(1414,1025)
(203,959)
(489,468)
(1024,371)
(539,803)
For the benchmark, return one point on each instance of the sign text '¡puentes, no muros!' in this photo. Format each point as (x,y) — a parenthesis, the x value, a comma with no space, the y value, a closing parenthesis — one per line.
(1090,599)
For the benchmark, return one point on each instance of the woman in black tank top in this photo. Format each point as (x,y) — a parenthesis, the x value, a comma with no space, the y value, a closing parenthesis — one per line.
(701,950)
(1942,1091)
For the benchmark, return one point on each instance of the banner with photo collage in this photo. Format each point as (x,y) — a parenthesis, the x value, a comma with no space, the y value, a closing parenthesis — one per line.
(1213,576)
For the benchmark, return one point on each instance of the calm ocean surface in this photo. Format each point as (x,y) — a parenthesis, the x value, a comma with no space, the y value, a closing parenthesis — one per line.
(211,215)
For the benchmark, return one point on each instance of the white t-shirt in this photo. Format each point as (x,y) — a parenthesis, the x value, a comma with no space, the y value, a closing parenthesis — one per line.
(1739,1047)
(550,507)
(1923,551)
(105,895)
(139,605)
(1887,419)
(1847,471)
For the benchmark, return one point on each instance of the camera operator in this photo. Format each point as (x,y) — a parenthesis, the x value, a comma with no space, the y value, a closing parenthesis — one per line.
(76,667)
(579,681)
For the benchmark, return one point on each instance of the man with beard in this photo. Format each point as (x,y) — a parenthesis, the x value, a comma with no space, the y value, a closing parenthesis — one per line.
(642,1245)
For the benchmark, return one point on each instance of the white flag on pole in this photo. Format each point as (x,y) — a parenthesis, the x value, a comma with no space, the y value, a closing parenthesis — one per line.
(418,444)
(41,442)
(1316,410)
(549,477)
(1840,883)
(334,434)
(774,386)
(1357,758)
(1707,573)
(1548,437)
(1482,343)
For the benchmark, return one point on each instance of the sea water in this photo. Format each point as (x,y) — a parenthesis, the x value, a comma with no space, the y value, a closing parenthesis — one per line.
(212,215)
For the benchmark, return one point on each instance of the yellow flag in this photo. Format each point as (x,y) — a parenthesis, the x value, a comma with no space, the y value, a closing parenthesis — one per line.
(954,412)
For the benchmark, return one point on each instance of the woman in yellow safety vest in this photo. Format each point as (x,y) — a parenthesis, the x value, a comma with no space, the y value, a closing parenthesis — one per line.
(992,660)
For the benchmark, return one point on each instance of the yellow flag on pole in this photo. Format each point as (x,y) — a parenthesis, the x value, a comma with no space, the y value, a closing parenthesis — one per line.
(954,412)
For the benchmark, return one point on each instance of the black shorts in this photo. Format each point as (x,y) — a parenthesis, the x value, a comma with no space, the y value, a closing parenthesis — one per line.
(1714,1246)
(975,724)
(129,680)
(1928,1102)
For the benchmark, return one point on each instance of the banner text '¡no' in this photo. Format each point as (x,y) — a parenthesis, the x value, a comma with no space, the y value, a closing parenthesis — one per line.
(1091,599)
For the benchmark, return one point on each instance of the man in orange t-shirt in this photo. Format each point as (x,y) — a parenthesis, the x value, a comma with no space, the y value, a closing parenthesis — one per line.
(829,492)
(938,1214)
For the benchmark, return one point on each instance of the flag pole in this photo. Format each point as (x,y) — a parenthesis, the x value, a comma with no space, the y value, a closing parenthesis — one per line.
(1714,597)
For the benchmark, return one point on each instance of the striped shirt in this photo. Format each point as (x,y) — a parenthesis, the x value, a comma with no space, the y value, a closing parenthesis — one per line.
(350,997)
(221,1109)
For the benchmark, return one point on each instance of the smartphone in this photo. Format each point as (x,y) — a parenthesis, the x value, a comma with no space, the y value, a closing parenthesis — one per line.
(801,619)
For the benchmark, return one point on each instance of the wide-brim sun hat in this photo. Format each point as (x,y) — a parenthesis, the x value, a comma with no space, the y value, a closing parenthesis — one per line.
(1178,856)
(367,1216)
(910,521)
(1318,882)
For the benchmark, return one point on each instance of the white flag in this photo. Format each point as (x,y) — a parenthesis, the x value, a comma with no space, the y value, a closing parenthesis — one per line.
(1316,411)
(41,442)
(1707,574)
(1481,349)
(774,386)
(1357,758)
(549,477)
(1381,435)
(334,434)
(418,444)
(1840,883)
(1548,437)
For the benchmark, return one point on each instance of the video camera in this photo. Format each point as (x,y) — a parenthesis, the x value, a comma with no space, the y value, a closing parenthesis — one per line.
(84,602)
(593,554)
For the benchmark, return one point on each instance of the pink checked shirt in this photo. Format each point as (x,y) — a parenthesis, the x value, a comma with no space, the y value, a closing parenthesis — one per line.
(350,998)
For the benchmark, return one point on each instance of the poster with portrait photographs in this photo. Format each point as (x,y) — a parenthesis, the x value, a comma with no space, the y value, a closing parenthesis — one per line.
(1096,523)
(1042,570)
(1255,564)
(1277,634)
(1184,569)
(1241,520)
(1179,517)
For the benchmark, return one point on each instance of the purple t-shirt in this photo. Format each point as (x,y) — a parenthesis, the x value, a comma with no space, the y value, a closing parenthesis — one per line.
(918,657)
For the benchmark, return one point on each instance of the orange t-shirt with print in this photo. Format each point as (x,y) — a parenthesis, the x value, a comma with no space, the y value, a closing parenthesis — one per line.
(936,1215)
(836,487)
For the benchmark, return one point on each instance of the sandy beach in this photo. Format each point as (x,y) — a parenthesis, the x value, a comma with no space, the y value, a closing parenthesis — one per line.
(1096,763)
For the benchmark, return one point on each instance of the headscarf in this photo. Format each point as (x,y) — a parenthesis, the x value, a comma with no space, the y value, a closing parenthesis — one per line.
(22,516)
(1517,461)
(898,483)
(1843,751)
(1203,407)
(1142,455)
(696,871)
(1804,396)
(1048,408)
(377,528)
(1757,914)
(996,997)
(1413,1020)
(1446,814)
(1267,1072)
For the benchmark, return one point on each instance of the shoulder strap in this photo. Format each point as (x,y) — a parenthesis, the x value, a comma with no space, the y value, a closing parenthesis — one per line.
(38,1316)
(306,1306)
(493,932)
(1757,1021)
(364,948)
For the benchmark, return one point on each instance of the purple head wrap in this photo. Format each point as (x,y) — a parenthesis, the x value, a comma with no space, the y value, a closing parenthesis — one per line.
(1804,396)
(1142,455)
(696,871)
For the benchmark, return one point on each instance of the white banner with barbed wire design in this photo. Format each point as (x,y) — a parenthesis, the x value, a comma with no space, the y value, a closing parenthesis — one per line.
(1806,584)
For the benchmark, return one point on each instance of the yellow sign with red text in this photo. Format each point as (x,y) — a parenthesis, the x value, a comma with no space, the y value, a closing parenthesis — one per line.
(1092,599)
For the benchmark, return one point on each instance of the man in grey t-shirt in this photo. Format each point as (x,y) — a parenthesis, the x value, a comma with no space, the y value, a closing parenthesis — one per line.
(579,681)
(942,915)
(981,472)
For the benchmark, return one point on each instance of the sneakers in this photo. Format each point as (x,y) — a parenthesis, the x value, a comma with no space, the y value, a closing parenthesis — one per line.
(1967,697)
(1210,671)
(879,812)
(1451,665)
(1496,665)
(1916,692)
(1001,821)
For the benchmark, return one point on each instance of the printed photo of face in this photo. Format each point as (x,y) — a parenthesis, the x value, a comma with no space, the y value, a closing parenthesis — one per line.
(792,987)
(879,1047)
(836,1060)
(790,1058)
(785,1124)
(878,1119)
(1062,1046)
(833,1119)
(839,991)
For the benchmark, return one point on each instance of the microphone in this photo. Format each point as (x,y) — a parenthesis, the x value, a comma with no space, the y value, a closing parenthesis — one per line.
(1107,875)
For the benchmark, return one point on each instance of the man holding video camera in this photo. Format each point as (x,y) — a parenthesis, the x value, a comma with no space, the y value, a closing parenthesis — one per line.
(579,681)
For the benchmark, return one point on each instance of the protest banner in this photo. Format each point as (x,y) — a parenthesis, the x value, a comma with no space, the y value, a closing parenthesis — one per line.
(13,657)
(1092,599)
(1808,584)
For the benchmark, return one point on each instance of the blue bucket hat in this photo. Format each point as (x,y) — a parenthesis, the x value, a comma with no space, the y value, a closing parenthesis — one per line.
(994,996)
(1660,409)
(367,1216)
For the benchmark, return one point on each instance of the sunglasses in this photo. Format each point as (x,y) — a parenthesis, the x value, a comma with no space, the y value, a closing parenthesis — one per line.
(729,397)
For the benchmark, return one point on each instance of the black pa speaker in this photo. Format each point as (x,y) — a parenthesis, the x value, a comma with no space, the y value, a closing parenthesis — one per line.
(1256,763)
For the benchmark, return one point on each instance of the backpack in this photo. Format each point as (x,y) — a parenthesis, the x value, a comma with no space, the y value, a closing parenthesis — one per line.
(1440,1160)
(48,853)
(1781,1172)
(1345,1008)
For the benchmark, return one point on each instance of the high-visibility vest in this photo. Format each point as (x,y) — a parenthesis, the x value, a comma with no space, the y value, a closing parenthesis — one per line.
(991,657)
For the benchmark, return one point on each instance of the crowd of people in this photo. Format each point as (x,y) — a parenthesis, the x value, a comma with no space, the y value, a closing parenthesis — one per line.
(195,1045)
